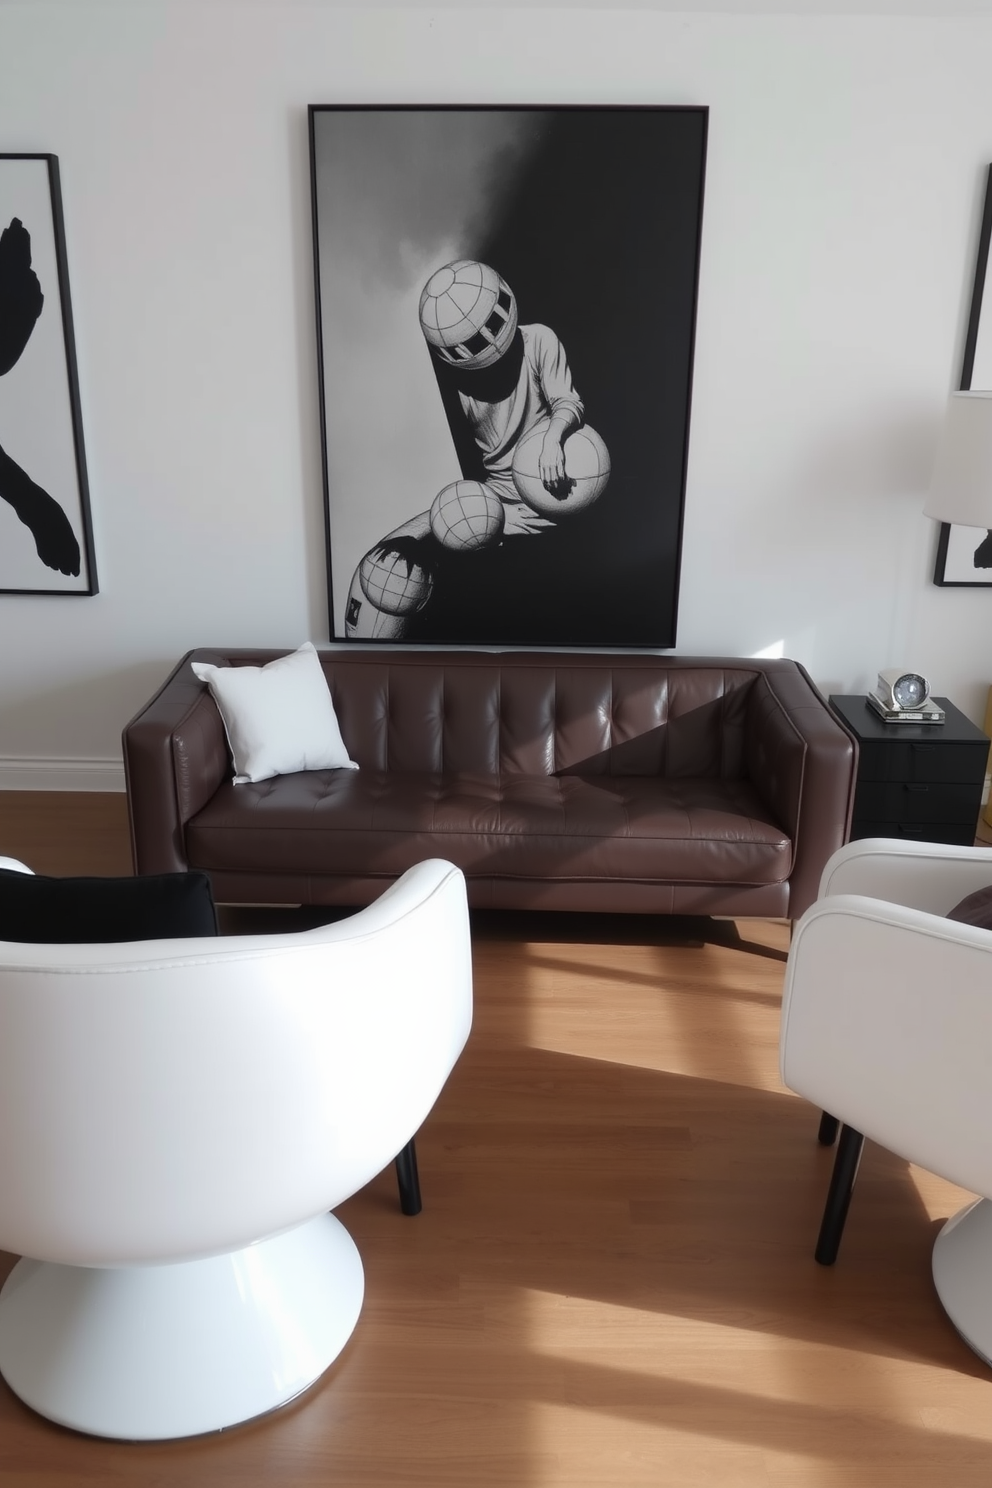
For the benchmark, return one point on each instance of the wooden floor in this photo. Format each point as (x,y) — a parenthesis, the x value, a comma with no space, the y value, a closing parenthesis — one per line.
(612,1280)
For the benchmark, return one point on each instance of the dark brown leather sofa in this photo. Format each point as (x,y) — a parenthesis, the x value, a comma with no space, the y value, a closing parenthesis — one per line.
(572,781)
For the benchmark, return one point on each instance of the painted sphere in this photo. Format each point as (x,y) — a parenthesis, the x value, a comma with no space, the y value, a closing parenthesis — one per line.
(468,314)
(467,515)
(393,582)
(587,471)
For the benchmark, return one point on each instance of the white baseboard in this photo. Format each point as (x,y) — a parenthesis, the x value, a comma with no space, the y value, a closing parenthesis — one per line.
(61,774)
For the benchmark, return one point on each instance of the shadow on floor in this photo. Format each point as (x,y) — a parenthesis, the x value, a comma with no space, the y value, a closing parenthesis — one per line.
(551,927)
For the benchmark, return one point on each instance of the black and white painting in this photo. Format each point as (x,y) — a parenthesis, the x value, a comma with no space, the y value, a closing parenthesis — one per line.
(964,554)
(45,539)
(506,307)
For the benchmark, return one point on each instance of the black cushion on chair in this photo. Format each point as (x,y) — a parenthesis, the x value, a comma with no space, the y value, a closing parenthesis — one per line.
(159,906)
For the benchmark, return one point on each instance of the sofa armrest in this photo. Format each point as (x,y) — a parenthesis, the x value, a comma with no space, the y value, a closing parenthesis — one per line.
(803,763)
(175,757)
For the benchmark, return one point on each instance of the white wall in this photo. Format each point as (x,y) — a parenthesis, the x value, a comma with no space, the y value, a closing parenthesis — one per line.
(846,168)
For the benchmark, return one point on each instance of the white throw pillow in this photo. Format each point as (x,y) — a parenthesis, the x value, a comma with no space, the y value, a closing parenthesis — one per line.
(279,717)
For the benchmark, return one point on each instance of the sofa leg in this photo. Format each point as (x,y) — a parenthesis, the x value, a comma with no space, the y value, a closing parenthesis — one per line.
(827,1135)
(846,1164)
(408,1179)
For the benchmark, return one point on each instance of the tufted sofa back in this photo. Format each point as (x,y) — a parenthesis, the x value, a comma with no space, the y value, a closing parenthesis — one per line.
(528,714)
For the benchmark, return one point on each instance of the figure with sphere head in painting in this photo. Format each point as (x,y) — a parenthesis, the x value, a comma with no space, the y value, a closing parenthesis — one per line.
(539,462)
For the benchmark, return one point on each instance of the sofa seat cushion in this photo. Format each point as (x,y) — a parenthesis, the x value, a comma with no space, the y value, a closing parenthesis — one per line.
(513,826)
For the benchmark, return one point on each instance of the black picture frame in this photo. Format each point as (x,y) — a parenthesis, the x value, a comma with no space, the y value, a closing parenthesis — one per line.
(590,219)
(46,538)
(961,552)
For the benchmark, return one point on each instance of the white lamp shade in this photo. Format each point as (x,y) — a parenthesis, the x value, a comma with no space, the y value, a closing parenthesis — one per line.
(961,486)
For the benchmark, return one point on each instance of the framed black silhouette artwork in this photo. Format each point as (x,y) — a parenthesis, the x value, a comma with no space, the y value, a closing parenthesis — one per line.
(46,543)
(964,554)
(506,306)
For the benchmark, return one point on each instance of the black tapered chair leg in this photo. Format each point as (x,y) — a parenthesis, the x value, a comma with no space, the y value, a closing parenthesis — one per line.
(829,1125)
(408,1179)
(846,1164)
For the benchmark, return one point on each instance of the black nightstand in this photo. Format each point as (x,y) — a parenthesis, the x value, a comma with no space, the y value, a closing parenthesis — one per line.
(920,780)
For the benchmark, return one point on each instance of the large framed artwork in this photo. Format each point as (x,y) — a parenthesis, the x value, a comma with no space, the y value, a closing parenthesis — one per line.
(46,544)
(506,303)
(964,554)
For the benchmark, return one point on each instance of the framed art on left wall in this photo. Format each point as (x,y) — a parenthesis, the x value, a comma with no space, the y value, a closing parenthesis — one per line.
(506,301)
(46,543)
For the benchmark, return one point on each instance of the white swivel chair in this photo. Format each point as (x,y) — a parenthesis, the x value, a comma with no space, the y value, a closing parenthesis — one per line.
(176,1120)
(887,1024)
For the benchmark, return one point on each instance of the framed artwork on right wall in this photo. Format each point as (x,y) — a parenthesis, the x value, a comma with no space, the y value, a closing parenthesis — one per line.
(964,554)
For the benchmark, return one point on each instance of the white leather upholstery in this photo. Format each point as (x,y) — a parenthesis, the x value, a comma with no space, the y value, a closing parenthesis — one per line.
(887,1012)
(887,1023)
(169,1101)
(924,875)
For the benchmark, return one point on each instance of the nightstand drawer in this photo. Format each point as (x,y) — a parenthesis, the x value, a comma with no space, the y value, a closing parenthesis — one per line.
(917,801)
(956,833)
(922,760)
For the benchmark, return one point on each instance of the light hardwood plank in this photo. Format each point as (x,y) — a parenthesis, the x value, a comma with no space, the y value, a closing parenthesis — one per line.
(66,832)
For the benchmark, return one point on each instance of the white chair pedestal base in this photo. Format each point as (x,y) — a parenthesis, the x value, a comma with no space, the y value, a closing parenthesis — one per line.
(150,1352)
(962,1274)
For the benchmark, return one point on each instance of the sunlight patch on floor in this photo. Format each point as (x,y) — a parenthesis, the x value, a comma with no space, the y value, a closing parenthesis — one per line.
(658,1362)
(939,1197)
(661,992)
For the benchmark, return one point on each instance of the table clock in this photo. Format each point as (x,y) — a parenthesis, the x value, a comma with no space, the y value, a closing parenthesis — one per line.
(904,697)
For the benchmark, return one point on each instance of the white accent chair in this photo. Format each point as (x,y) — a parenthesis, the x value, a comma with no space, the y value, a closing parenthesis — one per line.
(887,1023)
(176,1120)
